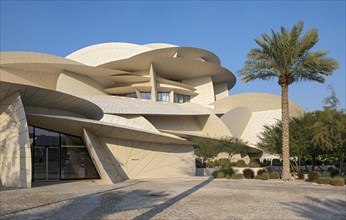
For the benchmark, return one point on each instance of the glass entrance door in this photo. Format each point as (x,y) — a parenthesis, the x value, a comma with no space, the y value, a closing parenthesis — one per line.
(46,163)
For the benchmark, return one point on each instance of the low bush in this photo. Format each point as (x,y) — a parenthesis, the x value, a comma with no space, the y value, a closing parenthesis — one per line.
(218,174)
(276,162)
(264,176)
(301,176)
(241,163)
(313,176)
(338,181)
(224,162)
(227,176)
(216,163)
(237,176)
(259,172)
(248,174)
(274,175)
(233,164)
(254,164)
(324,180)
(328,162)
(258,177)
(228,171)
(210,164)
(334,172)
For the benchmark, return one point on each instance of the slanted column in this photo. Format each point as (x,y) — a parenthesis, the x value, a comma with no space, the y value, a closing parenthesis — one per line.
(153,83)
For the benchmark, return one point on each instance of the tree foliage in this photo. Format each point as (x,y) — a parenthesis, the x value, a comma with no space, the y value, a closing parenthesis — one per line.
(232,146)
(287,57)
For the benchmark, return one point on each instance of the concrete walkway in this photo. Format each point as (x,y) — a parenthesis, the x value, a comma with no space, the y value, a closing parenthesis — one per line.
(188,198)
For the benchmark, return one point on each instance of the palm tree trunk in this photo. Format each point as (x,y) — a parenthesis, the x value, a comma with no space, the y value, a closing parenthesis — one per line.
(285,133)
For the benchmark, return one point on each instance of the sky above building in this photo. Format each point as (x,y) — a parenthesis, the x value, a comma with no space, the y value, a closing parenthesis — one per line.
(226,28)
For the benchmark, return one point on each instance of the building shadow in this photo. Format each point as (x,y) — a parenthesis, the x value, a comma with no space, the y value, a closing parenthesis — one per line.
(319,208)
(105,203)
(159,208)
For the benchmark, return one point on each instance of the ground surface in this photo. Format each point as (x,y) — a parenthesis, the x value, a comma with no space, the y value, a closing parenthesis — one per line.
(189,198)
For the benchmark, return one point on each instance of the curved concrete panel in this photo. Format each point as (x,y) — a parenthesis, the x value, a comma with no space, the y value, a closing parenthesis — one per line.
(39,97)
(98,54)
(256,102)
(75,126)
(236,120)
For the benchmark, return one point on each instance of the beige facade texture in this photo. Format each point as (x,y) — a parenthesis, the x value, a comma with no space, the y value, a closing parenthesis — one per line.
(137,108)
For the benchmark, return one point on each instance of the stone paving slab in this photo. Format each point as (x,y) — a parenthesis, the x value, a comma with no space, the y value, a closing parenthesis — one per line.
(178,198)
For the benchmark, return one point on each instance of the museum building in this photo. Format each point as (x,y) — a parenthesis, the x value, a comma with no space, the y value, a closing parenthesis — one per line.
(119,111)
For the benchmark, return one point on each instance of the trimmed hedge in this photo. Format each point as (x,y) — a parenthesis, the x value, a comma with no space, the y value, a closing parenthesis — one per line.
(313,176)
(211,164)
(258,177)
(274,175)
(224,162)
(338,181)
(241,163)
(248,174)
(264,176)
(218,174)
(324,180)
(238,176)
(259,172)
(301,176)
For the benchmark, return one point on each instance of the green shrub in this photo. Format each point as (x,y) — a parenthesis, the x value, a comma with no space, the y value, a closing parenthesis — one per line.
(228,171)
(224,162)
(210,164)
(328,162)
(216,163)
(254,164)
(218,174)
(233,164)
(259,172)
(334,172)
(258,177)
(237,176)
(338,181)
(264,176)
(313,176)
(318,162)
(324,180)
(301,176)
(276,162)
(241,163)
(248,174)
(227,176)
(274,175)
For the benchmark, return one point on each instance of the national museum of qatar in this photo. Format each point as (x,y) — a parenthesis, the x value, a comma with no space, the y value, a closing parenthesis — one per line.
(119,111)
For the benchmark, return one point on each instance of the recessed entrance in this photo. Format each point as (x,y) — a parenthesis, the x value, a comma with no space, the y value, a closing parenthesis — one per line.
(57,156)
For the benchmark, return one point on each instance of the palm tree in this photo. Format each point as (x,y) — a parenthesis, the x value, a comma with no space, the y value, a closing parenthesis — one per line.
(286,56)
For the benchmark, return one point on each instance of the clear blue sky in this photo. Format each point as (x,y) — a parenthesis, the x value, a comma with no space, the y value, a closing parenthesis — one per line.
(226,28)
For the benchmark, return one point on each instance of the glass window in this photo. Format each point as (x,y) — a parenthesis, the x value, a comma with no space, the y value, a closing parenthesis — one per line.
(76,163)
(131,95)
(46,138)
(145,95)
(59,156)
(179,98)
(163,96)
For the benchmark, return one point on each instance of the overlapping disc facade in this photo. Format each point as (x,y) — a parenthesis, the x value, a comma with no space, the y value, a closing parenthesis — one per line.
(119,111)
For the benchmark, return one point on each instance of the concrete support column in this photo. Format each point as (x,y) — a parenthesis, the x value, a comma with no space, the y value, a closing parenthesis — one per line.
(153,83)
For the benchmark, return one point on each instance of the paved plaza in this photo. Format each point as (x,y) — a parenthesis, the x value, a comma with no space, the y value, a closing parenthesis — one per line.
(189,198)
